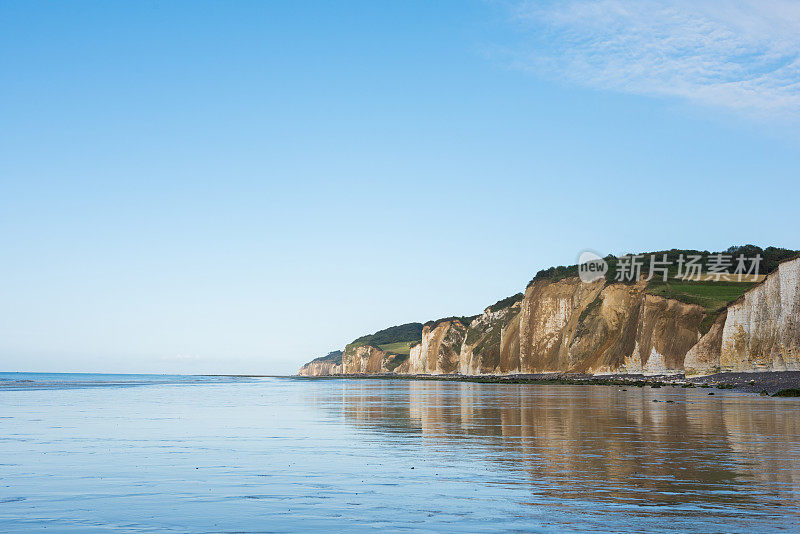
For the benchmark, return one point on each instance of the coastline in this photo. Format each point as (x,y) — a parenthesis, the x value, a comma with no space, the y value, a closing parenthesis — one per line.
(770,382)
(601,328)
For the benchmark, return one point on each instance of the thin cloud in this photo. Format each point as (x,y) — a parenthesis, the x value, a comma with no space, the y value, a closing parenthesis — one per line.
(742,55)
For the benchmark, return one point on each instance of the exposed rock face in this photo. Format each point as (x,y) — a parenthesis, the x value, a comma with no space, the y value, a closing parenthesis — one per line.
(491,344)
(762,330)
(509,344)
(330,364)
(439,351)
(363,359)
(569,326)
(759,332)
(666,330)
(606,332)
(598,328)
(404,368)
(320,368)
(416,365)
(548,320)
(703,358)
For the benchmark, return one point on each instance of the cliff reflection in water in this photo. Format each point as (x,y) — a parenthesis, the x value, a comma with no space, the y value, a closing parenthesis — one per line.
(600,443)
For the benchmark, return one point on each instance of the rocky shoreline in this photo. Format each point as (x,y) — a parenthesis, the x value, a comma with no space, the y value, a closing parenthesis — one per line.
(751,382)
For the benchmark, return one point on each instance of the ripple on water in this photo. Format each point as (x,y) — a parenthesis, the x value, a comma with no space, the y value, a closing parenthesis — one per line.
(282,454)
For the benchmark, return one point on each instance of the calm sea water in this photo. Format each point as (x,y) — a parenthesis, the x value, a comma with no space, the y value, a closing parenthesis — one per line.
(124,453)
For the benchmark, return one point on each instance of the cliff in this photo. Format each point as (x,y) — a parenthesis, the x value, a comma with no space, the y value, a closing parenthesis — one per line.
(562,324)
(491,344)
(759,332)
(330,364)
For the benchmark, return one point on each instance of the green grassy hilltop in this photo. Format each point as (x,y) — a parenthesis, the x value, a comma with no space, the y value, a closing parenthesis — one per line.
(713,296)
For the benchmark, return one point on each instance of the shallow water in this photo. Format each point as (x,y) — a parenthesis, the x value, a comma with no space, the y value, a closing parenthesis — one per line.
(102,453)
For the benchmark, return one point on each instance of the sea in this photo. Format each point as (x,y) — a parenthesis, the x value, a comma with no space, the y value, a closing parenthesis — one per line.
(98,453)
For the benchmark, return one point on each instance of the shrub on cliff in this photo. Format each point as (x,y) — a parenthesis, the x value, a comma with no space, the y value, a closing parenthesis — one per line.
(771,257)
(404,333)
(505,303)
(333,356)
(465,320)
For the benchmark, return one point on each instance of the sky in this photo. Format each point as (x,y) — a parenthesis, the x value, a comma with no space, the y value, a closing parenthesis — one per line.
(239,187)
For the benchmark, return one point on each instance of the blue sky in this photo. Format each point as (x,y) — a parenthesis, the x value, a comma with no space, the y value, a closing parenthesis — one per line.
(240,187)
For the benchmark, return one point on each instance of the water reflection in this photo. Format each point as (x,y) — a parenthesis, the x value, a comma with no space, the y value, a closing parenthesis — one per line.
(602,444)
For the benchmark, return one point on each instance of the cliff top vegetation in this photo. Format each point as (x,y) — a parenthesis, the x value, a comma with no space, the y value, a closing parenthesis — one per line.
(771,257)
(463,319)
(506,302)
(395,339)
(713,296)
(334,356)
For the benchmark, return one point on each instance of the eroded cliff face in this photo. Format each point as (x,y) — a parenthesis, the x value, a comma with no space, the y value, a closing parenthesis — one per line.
(762,330)
(570,326)
(666,330)
(439,351)
(759,332)
(606,331)
(491,343)
(320,369)
(703,358)
(598,328)
(363,359)
(548,322)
